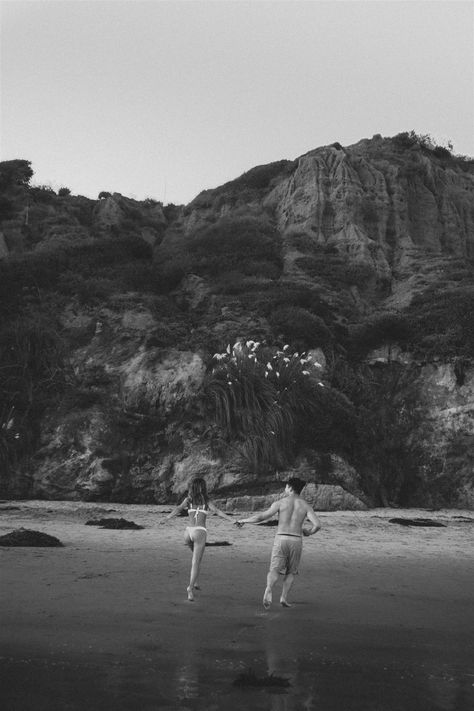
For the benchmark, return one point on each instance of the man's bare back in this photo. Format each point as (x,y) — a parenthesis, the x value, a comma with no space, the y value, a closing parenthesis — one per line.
(292,513)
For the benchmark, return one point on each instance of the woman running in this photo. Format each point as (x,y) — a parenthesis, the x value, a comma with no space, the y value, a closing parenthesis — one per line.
(199,507)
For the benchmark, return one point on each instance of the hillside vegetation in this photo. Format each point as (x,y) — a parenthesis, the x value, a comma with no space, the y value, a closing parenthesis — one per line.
(296,319)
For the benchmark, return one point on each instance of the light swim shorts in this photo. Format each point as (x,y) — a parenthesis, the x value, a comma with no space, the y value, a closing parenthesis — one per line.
(286,554)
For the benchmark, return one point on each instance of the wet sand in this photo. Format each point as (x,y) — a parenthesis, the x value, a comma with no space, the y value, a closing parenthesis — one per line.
(382,616)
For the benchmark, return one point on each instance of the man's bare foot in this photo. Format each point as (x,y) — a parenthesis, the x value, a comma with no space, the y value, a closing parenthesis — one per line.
(267,599)
(284,603)
(190,594)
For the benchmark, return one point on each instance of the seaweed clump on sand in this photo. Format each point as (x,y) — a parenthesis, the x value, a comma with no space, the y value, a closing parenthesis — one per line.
(218,543)
(249,678)
(417,522)
(27,538)
(115,523)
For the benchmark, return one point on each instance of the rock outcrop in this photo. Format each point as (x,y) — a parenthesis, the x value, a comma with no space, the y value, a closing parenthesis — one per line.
(395,212)
(350,232)
(322,497)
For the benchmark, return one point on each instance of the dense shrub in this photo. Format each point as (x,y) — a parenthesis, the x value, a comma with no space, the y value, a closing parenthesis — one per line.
(81,209)
(405,139)
(260,177)
(136,276)
(43,269)
(442,321)
(387,328)
(287,293)
(170,263)
(171,211)
(85,289)
(408,139)
(234,244)
(7,208)
(31,375)
(243,246)
(429,146)
(386,448)
(168,334)
(43,194)
(64,192)
(359,274)
(267,298)
(245,188)
(300,327)
(301,241)
(442,152)
(14,173)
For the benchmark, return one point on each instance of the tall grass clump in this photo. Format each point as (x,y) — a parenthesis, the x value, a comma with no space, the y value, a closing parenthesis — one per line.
(264,401)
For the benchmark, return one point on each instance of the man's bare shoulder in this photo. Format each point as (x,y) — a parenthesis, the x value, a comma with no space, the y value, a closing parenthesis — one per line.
(305,505)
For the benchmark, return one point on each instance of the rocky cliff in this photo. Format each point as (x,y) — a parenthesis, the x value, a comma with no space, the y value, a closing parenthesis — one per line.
(360,256)
(400,212)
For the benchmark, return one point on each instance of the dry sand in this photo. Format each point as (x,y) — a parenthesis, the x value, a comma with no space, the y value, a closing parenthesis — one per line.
(383,615)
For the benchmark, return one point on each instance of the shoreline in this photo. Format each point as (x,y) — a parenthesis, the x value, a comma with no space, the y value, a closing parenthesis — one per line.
(374,602)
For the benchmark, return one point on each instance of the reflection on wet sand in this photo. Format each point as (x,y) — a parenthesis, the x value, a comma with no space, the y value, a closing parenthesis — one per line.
(202,681)
(187,674)
(187,682)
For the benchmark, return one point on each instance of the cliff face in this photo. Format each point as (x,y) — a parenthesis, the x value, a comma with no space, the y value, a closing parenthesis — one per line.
(143,298)
(399,212)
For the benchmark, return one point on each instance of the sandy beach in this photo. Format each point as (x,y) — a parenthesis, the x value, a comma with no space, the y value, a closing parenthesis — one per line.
(382,620)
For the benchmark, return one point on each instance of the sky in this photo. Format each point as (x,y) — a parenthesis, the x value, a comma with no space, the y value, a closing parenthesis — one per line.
(163,99)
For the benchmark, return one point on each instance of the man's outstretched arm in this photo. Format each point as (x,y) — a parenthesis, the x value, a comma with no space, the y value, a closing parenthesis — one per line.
(262,516)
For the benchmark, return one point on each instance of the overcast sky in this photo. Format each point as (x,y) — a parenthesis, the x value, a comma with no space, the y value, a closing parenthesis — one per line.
(164,99)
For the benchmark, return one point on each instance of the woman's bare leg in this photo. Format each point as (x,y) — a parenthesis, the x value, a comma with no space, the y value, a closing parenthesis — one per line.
(199,540)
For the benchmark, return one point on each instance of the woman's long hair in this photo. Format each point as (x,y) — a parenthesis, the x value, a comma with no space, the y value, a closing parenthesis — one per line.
(198,492)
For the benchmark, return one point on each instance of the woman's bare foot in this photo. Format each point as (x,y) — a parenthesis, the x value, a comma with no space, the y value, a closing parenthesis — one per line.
(284,603)
(190,594)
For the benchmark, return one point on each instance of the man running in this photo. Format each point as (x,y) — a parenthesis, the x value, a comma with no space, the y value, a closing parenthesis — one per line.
(292,512)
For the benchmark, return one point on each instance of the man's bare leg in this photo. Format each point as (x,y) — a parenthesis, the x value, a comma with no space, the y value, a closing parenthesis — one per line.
(272,577)
(287,583)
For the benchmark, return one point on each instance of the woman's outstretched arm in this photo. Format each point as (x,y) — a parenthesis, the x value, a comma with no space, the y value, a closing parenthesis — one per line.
(183,505)
(218,512)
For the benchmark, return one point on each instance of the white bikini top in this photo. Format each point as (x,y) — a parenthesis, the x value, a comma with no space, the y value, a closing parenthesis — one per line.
(196,511)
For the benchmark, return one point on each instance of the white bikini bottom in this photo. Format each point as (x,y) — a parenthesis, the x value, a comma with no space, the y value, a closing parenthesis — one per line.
(196,528)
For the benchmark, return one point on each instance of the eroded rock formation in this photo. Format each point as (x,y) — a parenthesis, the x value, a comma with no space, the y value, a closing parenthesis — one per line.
(394,220)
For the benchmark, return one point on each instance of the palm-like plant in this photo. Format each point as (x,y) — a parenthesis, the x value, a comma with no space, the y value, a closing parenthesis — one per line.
(257,397)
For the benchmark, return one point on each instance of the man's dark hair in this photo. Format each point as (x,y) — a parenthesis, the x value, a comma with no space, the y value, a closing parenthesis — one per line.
(296,484)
